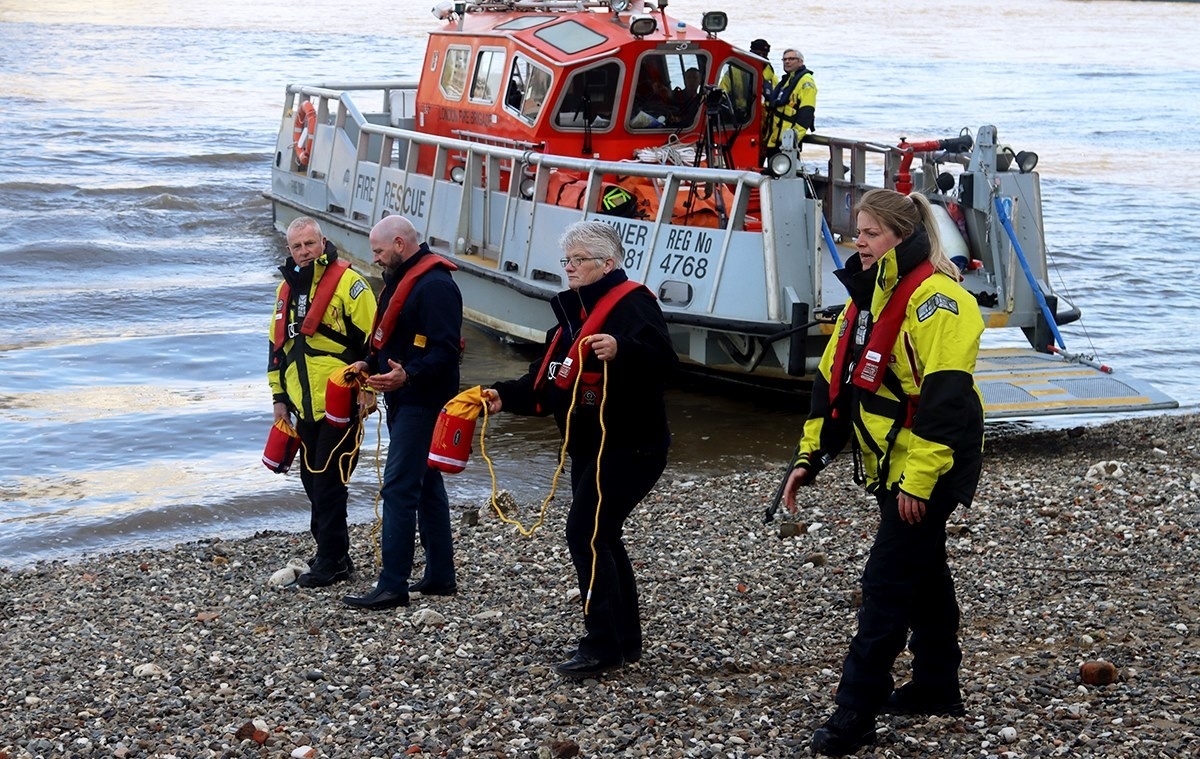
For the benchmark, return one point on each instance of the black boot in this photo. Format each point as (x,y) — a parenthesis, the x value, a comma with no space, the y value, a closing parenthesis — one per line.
(844,733)
(322,573)
(915,699)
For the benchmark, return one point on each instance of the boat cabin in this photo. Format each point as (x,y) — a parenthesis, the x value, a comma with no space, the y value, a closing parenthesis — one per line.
(593,79)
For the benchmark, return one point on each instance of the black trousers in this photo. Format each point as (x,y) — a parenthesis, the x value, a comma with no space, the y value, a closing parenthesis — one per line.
(612,619)
(325,467)
(906,587)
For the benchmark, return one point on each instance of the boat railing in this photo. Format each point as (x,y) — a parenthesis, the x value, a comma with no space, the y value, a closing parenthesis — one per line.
(850,164)
(496,176)
(479,219)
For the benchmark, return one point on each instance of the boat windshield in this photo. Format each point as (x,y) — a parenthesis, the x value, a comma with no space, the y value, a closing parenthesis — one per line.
(589,97)
(669,90)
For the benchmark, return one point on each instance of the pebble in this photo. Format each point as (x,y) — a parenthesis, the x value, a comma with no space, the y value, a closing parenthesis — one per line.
(171,653)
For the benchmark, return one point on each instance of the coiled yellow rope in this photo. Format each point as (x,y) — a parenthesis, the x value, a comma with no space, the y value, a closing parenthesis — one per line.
(562,459)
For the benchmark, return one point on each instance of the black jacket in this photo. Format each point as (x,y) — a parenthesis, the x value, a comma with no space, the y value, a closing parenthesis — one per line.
(427,337)
(635,414)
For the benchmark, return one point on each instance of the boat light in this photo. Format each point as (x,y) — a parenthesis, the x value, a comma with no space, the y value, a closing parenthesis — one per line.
(640,26)
(780,165)
(526,188)
(618,6)
(442,10)
(714,22)
(1027,161)
(457,174)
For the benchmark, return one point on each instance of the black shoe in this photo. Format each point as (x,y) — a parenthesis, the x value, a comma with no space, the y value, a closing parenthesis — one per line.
(323,573)
(425,589)
(579,666)
(377,599)
(844,733)
(911,699)
(632,656)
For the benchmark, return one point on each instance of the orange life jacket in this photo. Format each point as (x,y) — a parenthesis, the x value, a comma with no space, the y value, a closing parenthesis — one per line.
(385,321)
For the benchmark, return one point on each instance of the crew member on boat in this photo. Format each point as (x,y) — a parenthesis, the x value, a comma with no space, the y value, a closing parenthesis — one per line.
(323,316)
(897,383)
(791,102)
(603,376)
(739,83)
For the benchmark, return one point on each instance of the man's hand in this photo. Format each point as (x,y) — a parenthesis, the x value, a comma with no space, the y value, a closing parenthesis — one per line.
(388,381)
(281,412)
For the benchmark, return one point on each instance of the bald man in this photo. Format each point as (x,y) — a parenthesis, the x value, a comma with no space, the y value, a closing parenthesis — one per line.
(413,362)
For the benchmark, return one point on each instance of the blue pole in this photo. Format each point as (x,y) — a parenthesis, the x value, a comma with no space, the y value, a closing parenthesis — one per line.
(1037,291)
(829,242)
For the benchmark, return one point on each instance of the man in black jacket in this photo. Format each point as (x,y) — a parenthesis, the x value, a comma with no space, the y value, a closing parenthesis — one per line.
(414,360)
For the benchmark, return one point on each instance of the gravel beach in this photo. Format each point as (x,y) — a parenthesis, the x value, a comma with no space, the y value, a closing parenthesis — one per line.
(1083,545)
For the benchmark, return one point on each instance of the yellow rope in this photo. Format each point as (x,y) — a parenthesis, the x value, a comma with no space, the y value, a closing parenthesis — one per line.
(562,458)
(599,493)
(345,470)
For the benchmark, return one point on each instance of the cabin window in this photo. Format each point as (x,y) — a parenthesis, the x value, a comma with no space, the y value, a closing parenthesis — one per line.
(740,91)
(528,86)
(589,97)
(454,72)
(489,71)
(570,37)
(669,91)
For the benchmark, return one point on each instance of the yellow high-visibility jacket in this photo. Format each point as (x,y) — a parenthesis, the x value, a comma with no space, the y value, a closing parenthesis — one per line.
(792,104)
(298,369)
(932,365)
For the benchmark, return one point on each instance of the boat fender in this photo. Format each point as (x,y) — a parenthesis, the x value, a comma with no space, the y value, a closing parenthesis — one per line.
(951,238)
(282,444)
(341,390)
(304,129)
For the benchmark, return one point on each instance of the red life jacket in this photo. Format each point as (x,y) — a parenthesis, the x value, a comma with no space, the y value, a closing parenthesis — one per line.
(385,322)
(869,372)
(321,300)
(565,377)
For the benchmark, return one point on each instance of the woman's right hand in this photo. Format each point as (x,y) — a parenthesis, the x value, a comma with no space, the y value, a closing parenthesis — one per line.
(492,399)
(797,478)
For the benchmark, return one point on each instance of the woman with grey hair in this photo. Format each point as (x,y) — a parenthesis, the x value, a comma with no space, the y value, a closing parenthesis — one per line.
(604,372)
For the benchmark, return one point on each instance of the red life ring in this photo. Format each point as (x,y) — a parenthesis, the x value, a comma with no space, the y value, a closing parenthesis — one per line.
(303,131)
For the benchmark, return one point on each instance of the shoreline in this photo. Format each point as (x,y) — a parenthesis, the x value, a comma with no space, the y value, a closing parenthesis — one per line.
(179,651)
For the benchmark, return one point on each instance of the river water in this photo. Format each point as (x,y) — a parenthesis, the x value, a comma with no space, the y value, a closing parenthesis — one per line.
(139,254)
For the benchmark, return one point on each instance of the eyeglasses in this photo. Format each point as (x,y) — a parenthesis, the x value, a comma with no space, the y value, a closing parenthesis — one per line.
(577,261)
(791,58)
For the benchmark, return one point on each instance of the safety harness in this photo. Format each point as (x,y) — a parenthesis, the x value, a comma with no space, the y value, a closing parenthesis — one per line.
(864,374)
(564,376)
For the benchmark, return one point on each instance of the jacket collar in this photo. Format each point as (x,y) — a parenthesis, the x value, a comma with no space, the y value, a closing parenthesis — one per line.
(877,282)
(394,275)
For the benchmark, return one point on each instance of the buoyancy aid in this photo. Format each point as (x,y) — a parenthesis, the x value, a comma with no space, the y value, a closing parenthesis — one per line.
(564,377)
(785,111)
(385,322)
(314,311)
(869,370)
